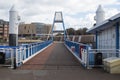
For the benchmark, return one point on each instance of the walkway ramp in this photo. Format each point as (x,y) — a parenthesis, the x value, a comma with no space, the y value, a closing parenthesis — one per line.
(54,57)
(55,63)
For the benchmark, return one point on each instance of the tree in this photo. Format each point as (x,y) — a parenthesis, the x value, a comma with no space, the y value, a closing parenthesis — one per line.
(84,31)
(78,32)
(70,31)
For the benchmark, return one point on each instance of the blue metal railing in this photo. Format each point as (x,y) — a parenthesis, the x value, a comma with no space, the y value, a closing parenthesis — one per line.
(27,51)
(80,51)
(89,57)
(24,52)
(7,51)
(103,54)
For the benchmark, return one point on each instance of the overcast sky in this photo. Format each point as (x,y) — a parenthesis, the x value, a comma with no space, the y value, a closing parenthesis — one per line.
(76,13)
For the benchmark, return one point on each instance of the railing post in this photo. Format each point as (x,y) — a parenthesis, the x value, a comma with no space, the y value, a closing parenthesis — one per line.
(21,55)
(24,52)
(16,58)
(12,58)
(28,51)
(88,67)
(31,50)
(35,49)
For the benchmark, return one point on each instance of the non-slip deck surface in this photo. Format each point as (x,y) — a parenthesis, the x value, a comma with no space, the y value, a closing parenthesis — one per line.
(55,63)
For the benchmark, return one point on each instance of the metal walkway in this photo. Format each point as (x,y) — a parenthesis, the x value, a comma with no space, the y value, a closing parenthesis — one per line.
(55,63)
(55,57)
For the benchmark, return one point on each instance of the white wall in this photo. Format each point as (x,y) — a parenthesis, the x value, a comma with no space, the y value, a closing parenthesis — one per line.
(107,39)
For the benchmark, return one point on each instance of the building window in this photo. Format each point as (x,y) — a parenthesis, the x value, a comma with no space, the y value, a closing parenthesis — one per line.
(25,27)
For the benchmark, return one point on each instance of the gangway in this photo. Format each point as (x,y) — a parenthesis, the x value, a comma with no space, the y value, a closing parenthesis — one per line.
(57,62)
(55,57)
(22,53)
(50,60)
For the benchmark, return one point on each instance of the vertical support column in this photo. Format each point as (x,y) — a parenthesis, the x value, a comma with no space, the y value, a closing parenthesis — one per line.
(117,38)
(96,39)
(63,27)
(52,31)
(64,32)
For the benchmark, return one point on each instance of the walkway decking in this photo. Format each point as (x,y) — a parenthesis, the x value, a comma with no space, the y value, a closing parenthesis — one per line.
(55,57)
(55,63)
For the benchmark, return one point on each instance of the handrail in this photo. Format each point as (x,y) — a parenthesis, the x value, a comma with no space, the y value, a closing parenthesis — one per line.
(22,53)
(79,50)
(87,56)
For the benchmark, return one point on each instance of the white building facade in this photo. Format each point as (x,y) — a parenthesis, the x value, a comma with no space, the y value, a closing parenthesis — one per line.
(106,38)
(107,33)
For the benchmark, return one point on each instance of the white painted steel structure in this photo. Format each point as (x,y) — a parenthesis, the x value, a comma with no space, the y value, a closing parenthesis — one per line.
(13,18)
(100,15)
(13,26)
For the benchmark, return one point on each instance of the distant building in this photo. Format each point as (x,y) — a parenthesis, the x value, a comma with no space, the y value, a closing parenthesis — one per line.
(27,30)
(47,28)
(39,27)
(42,29)
(4,29)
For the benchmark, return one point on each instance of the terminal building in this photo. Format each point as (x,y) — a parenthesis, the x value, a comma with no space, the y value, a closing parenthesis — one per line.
(42,29)
(26,30)
(34,30)
(107,32)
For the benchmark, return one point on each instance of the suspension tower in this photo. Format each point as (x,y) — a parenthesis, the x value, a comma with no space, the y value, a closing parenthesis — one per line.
(58,18)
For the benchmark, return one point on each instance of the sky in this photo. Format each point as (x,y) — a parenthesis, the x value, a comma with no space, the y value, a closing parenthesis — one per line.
(76,13)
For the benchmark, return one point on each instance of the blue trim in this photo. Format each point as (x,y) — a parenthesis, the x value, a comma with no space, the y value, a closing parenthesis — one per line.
(105,24)
(117,37)
(53,25)
(64,28)
(96,39)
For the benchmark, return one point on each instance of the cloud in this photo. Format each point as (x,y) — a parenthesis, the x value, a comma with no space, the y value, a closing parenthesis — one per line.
(111,12)
(76,12)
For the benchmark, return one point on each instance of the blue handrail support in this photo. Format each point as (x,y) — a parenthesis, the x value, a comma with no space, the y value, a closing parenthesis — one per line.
(22,53)
(80,51)
(89,57)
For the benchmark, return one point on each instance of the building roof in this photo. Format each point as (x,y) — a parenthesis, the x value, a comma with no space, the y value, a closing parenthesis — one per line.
(105,24)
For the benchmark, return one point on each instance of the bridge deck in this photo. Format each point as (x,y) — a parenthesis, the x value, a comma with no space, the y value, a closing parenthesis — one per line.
(54,57)
(55,63)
